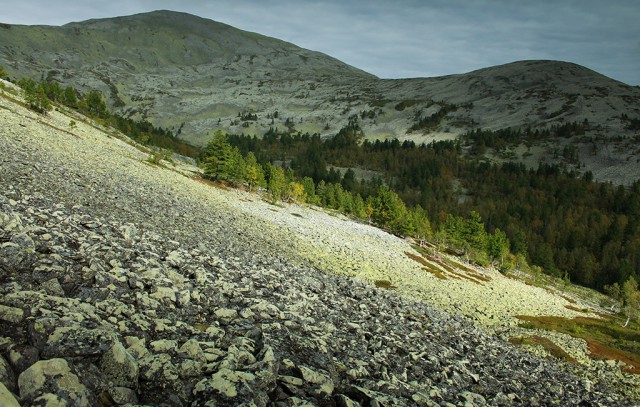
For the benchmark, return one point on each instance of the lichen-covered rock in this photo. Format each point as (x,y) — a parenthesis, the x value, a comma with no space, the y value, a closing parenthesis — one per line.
(321,382)
(52,381)
(123,395)
(78,341)
(7,376)
(229,387)
(11,314)
(7,398)
(17,254)
(21,357)
(119,367)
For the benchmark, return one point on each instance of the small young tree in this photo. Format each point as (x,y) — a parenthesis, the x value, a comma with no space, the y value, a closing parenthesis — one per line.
(94,105)
(235,167)
(309,190)
(253,172)
(631,299)
(615,293)
(498,245)
(69,97)
(277,183)
(296,192)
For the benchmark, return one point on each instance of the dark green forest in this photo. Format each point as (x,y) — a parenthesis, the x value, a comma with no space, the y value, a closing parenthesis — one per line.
(564,223)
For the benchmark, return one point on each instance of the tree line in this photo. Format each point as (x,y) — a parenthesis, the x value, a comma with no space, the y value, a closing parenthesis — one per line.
(548,217)
(41,97)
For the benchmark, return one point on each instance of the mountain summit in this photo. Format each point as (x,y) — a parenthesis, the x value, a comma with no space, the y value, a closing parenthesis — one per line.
(184,72)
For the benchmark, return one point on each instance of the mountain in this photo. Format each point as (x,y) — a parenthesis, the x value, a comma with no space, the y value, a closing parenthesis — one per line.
(124,282)
(194,76)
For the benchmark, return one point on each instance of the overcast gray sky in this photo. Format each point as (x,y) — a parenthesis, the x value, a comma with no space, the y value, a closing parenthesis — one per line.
(405,38)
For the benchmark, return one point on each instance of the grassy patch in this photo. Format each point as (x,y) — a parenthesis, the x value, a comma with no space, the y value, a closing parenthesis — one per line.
(606,339)
(572,308)
(473,280)
(417,258)
(453,269)
(435,272)
(426,265)
(385,284)
(548,345)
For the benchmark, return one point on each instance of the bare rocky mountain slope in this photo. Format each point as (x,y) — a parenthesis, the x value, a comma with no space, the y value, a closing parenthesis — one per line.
(124,283)
(188,73)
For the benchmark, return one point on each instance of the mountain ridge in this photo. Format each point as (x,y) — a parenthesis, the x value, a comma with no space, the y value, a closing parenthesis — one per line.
(199,80)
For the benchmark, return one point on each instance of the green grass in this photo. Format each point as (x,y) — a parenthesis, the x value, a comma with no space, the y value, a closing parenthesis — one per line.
(606,338)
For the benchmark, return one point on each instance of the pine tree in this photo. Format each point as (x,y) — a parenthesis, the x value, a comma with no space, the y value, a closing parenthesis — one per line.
(217,154)
(310,190)
(235,167)
(69,97)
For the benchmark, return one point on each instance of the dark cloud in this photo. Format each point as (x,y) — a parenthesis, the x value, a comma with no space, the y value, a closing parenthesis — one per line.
(406,38)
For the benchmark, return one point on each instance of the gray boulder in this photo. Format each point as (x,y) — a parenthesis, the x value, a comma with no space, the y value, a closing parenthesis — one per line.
(51,382)
(120,367)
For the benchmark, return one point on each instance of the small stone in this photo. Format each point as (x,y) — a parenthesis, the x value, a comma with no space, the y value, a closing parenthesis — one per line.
(11,314)
(323,381)
(78,341)
(191,349)
(53,287)
(183,298)
(120,367)
(164,293)
(226,313)
(164,346)
(123,395)
(344,401)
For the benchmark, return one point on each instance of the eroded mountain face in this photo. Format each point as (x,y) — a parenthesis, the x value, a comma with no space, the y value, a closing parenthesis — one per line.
(197,75)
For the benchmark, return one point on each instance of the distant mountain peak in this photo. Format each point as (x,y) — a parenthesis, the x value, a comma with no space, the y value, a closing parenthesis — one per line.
(174,68)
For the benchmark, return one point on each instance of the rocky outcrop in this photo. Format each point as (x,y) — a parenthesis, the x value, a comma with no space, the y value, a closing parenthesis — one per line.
(146,320)
(121,287)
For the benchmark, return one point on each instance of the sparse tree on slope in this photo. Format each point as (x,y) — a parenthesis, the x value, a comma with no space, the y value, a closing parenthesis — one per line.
(277,183)
(498,245)
(217,154)
(253,172)
(631,299)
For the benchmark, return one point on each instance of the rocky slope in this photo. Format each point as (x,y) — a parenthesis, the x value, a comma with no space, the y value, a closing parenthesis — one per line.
(127,283)
(176,69)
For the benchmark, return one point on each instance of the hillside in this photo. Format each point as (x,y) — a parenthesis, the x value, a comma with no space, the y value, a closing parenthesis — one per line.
(128,282)
(195,76)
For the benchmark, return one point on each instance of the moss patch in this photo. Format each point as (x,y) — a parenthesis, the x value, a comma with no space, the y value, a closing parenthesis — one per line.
(384,284)
(548,345)
(606,339)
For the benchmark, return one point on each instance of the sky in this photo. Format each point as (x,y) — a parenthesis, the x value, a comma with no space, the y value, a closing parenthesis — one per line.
(405,38)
